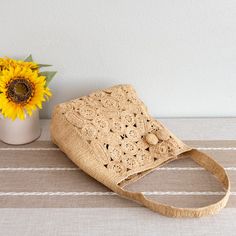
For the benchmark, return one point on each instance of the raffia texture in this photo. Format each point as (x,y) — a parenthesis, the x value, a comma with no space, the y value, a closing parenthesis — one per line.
(110,135)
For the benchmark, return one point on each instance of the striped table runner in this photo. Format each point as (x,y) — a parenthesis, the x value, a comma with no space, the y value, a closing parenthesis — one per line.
(39,175)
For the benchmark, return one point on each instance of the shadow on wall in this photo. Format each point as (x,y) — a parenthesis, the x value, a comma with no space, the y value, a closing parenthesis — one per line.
(63,93)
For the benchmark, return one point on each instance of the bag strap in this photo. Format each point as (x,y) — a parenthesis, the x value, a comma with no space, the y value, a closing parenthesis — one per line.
(210,165)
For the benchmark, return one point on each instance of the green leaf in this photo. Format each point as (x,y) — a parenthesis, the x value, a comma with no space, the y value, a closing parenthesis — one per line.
(49,75)
(29,58)
(43,65)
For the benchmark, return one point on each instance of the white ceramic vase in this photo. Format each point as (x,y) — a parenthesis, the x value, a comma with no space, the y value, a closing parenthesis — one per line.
(20,131)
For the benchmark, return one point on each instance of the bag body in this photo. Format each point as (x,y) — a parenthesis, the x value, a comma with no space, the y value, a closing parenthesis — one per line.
(110,135)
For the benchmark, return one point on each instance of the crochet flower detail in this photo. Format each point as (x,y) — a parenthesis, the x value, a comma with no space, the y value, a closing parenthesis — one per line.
(87,112)
(101,123)
(116,124)
(129,161)
(115,153)
(89,132)
(116,167)
(109,103)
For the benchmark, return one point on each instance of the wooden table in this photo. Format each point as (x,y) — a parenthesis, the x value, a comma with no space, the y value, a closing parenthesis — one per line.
(43,193)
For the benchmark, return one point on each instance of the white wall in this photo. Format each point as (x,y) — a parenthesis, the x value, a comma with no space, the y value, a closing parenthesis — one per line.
(179,54)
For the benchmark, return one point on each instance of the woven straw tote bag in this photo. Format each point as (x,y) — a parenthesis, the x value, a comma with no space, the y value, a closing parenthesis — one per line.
(110,136)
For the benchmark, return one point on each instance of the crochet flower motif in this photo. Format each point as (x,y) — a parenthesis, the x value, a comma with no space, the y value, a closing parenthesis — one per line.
(116,122)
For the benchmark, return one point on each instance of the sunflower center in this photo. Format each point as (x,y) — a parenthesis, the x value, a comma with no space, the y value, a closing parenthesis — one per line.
(20,90)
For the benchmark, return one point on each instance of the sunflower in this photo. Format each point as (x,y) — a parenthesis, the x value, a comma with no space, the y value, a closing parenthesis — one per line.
(6,63)
(21,90)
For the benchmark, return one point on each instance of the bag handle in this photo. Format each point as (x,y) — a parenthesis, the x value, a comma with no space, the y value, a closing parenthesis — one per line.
(210,165)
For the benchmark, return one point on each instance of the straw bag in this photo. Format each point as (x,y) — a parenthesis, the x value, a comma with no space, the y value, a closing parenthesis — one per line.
(110,136)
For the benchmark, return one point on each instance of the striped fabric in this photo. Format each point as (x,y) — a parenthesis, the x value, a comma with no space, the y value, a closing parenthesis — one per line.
(40,175)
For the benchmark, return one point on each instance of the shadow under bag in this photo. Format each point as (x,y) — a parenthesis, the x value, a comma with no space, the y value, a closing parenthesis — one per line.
(110,136)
